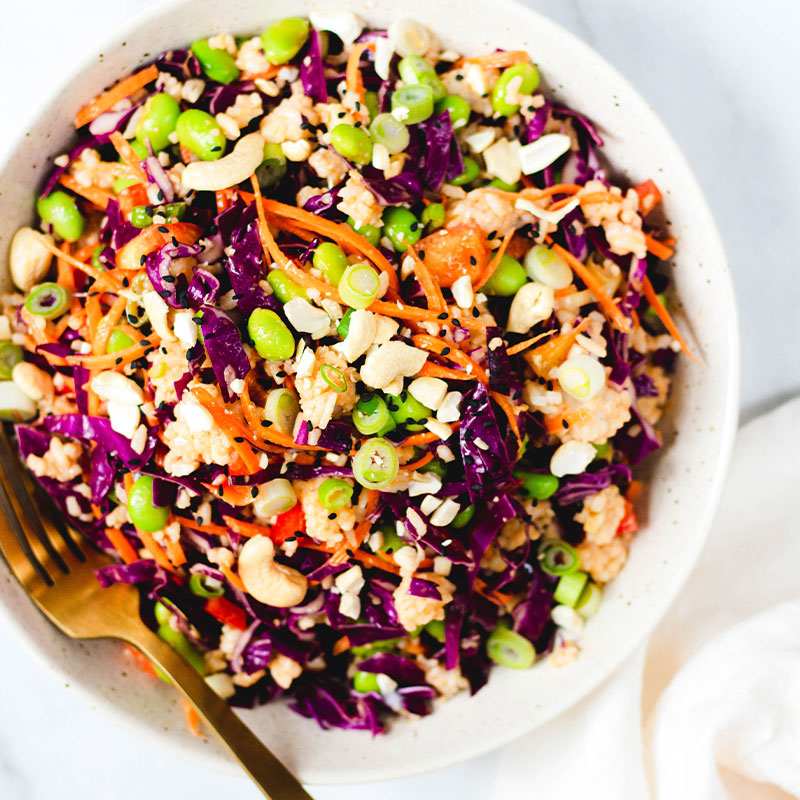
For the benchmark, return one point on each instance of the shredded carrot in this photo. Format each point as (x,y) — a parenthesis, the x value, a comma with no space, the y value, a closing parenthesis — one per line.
(118,359)
(658,249)
(271,72)
(494,262)
(108,99)
(128,155)
(106,326)
(223,198)
(66,277)
(353,81)
(429,284)
(94,194)
(209,527)
(155,550)
(520,346)
(83,253)
(93,314)
(103,279)
(498,598)
(192,718)
(566,291)
(600,197)
(175,553)
(664,316)
(421,462)
(593,285)
(435,345)
(634,490)
(340,646)
(498,60)
(233,578)
(125,549)
(508,410)
(247,529)
(431,370)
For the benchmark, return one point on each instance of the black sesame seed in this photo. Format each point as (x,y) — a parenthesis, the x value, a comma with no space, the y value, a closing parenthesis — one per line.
(443,315)
(473,260)
(475,312)
(254,492)
(125,283)
(163,229)
(445,351)
(118,361)
(564,423)
(456,322)
(238,439)
(332,515)
(309,426)
(421,255)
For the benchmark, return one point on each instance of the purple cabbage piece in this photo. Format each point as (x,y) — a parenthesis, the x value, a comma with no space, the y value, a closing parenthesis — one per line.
(145,571)
(312,73)
(583,124)
(80,376)
(98,429)
(644,386)
(31,441)
(433,155)
(203,289)
(532,614)
(502,378)
(638,438)
(484,470)
(257,654)
(422,588)
(220,97)
(158,177)
(574,227)
(183,64)
(337,436)
(575,488)
(306,472)
(103,474)
(403,188)
(56,173)
(399,669)
(337,707)
(582,166)
(116,228)
(172,288)
(537,124)
(324,205)
(474,662)
(103,126)
(499,510)
(633,291)
(225,350)
(618,356)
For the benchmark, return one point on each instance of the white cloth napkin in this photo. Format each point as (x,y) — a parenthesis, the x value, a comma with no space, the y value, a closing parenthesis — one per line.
(709,709)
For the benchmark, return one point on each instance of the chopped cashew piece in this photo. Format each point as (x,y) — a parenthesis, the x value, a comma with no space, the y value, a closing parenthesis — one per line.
(392,360)
(236,167)
(429,391)
(360,335)
(157,311)
(116,387)
(306,318)
(29,258)
(532,304)
(270,583)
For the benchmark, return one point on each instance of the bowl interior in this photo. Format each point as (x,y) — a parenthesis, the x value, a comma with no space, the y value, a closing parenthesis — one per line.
(685,478)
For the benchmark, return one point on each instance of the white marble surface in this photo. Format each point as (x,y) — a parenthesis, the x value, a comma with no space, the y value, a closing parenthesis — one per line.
(721,73)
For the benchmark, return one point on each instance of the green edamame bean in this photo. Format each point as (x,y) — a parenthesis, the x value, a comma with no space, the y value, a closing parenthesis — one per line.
(273,167)
(219,65)
(433,216)
(143,512)
(507,279)
(471,171)
(353,143)
(283,39)
(371,102)
(61,211)
(158,120)
(140,148)
(459,110)
(506,187)
(119,340)
(435,628)
(407,410)
(435,466)
(463,518)
(603,450)
(283,287)
(181,644)
(391,541)
(272,338)
(123,183)
(331,261)
(370,232)
(415,70)
(161,613)
(343,328)
(401,227)
(199,132)
(364,682)
(526,79)
(537,485)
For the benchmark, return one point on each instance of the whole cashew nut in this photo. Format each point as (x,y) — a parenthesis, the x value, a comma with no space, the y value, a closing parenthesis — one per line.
(270,583)
(238,166)
(532,304)
(29,258)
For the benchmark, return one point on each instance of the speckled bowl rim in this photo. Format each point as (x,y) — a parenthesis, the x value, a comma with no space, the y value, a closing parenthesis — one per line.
(478,744)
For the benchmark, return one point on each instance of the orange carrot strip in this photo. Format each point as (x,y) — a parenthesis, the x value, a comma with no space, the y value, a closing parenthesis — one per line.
(106,326)
(223,198)
(108,99)
(431,370)
(93,315)
(556,423)
(352,76)
(175,553)
(192,718)
(232,577)
(155,550)
(367,559)
(664,316)
(271,72)
(435,345)
(125,549)
(634,490)
(495,261)
(508,410)
(103,279)
(128,155)
(503,58)
(520,346)
(94,194)
(593,285)
(216,530)
(420,462)
(600,197)
(246,529)
(658,249)
(118,359)
(340,646)
(66,277)
(433,293)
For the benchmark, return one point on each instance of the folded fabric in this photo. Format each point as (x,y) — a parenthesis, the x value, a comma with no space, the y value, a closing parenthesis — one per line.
(718,685)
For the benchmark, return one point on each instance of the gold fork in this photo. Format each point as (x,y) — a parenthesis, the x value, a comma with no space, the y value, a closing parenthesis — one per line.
(58,574)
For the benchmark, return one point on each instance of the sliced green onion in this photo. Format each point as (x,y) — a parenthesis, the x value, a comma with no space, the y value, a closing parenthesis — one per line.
(372,416)
(10,355)
(547,267)
(537,485)
(48,300)
(343,328)
(415,70)
(162,614)
(581,377)
(203,586)
(15,405)
(334,377)
(390,132)
(569,588)
(119,340)
(590,600)
(334,493)
(275,497)
(141,216)
(375,465)
(509,649)
(557,557)
(412,104)
(281,409)
(359,285)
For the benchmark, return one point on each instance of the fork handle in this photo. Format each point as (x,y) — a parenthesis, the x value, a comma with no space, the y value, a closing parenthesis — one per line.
(267,772)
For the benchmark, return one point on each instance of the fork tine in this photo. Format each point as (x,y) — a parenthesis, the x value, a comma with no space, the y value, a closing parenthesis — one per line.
(12,477)
(19,534)
(53,517)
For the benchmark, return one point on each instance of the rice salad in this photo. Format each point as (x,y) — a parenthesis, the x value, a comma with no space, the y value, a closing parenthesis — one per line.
(343,345)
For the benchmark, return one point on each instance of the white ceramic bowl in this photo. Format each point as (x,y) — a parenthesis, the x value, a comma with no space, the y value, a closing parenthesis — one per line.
(686,476)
